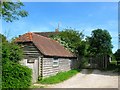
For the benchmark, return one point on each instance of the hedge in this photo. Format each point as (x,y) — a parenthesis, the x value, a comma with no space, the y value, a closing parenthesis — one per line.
(12,51)
(15,75)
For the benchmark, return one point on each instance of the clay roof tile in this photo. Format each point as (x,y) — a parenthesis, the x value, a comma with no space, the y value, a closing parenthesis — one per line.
(46,45)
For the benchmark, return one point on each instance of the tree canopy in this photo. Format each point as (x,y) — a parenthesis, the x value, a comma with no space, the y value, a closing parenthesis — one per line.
(11,11)
(71,40)
(100,42)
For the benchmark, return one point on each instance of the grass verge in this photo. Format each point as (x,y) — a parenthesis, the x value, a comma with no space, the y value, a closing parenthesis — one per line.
(59,77)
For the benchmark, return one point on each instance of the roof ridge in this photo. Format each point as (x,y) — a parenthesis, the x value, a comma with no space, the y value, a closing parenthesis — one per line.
(54,41)
(44,32)
(41,36)
(47,46)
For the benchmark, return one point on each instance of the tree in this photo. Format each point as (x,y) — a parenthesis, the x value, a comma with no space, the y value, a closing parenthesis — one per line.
(100,43)
(117,55)
(71,40)
(12,10)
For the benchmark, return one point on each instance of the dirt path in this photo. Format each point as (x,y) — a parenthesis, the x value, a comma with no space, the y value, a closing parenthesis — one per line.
(90,79)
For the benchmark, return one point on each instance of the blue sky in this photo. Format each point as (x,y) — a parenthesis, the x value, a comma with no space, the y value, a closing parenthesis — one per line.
(87,16)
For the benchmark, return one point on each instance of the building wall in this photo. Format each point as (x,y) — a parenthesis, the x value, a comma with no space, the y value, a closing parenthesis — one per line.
(46,68)
(32,53)
(49,69)
(33,66)
(43,66)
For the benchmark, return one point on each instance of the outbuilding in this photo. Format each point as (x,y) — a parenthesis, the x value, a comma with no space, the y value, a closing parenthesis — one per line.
(45,56)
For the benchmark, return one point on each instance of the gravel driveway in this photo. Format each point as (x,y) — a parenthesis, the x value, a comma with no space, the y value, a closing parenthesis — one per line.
(90,79)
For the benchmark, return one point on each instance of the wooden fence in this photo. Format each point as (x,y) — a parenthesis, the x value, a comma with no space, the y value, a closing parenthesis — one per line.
(99,61)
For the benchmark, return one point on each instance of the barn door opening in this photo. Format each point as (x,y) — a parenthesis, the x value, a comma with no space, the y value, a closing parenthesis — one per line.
(33,64)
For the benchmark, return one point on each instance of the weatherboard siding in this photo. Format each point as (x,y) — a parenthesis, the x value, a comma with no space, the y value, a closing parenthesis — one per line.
(43,66)
(32,53)
(30,50)
(49,69)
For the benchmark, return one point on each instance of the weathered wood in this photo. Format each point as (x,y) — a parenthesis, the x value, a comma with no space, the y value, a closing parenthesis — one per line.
(30,50)
(44,64)
(49,69)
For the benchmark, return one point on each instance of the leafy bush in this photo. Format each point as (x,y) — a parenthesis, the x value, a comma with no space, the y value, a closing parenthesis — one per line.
(15,75)
(11,51)
(59,77)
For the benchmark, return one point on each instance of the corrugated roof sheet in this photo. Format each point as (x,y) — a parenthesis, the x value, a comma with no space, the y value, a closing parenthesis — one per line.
(46,45)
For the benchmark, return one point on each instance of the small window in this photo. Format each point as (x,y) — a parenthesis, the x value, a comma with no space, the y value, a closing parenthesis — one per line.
(30,60)
(55,62)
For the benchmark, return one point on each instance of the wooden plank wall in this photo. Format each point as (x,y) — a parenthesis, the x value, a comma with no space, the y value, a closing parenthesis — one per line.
(65,64)
(32,53)
(30,50)
(49,69)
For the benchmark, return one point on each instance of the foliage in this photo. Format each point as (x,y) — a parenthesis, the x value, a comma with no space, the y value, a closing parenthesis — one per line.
(117,55)
(82,49)
(12,10)
(11,51)
(15,75)
(84,62)
(3,38)
(100,42)
(59,77)
(71,40)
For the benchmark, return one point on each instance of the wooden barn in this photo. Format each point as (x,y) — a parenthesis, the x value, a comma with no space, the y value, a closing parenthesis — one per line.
(45,56)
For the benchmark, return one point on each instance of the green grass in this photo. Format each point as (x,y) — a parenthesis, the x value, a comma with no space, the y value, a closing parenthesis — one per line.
(59,77)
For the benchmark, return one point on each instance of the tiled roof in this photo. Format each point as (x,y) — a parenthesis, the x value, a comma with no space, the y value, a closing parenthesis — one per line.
(46,45)
(46,34)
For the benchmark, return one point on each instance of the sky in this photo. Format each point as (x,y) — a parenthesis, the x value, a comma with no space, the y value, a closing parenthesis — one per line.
(82,16)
